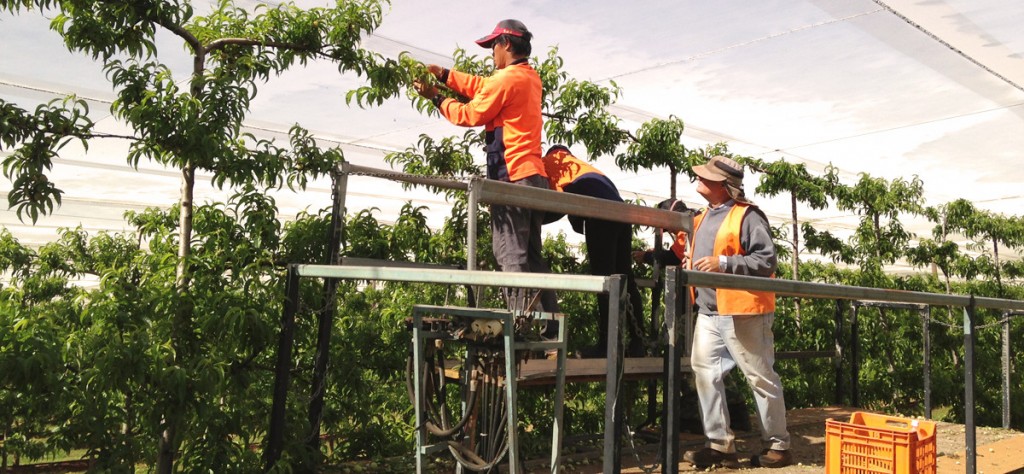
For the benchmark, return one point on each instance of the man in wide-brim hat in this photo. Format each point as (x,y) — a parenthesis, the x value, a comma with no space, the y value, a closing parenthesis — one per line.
(734,327)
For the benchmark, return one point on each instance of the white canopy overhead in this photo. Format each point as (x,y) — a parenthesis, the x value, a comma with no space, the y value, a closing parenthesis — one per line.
(894,88)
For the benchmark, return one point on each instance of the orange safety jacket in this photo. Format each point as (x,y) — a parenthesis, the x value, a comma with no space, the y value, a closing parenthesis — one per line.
(508,104)
(569,174)
(562,168)
(679,246)
(727,242)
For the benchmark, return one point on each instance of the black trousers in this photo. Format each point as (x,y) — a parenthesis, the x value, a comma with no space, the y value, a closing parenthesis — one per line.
(609,247)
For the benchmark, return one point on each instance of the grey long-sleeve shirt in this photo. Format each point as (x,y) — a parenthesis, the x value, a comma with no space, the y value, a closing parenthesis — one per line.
(756,240)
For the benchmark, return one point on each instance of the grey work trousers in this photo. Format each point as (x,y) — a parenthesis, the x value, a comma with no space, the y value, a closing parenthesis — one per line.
(721,343)
(517,243)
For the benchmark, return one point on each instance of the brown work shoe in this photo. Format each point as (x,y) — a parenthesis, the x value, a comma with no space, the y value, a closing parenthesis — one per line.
(707,457)
(772,458)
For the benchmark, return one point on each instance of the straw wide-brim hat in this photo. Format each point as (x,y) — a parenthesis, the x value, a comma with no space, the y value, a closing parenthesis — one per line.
(719,169)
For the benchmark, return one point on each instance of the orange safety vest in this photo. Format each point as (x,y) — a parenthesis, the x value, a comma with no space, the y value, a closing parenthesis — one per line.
(727,242)
(563,168)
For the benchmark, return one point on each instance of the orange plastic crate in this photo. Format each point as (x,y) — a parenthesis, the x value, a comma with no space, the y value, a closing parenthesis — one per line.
(872,443)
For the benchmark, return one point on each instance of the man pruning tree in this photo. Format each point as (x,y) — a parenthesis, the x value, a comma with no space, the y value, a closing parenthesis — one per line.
(508,105)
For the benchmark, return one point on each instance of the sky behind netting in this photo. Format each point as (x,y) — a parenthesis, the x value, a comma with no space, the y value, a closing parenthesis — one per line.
(893,89)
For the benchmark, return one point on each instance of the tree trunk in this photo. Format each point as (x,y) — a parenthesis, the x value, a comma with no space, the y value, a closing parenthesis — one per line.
(878,238)
(949,287)
(672,181)
(796,255)
(995,254)
(181,328)
(188,181)
(3,450)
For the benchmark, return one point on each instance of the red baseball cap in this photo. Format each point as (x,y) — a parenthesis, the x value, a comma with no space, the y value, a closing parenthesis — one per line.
(505,27)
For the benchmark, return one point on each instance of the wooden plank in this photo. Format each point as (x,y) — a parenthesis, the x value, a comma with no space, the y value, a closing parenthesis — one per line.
(542,372)
(508,194)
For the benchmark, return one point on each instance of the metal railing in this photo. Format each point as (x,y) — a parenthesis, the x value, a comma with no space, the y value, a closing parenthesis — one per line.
(489,191)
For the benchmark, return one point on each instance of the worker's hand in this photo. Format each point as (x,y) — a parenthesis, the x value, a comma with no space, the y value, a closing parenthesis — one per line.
(436,70)
(425,90)
(707,264)
(638,256)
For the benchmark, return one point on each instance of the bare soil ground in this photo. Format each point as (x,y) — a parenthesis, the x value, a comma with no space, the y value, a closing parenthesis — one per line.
(998,450)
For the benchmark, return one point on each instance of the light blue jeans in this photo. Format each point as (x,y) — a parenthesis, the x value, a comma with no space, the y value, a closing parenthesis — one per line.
(721,343)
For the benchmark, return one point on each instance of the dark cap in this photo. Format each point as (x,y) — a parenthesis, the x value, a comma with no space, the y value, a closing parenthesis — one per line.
(505,27)
(555,148)
(674,205)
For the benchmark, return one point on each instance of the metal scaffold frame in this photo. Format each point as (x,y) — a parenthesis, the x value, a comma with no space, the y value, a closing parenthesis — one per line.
(480,191)
(614,286)
(678,310)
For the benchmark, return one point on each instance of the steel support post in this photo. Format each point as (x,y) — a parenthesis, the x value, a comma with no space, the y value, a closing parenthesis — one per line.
(417,377)
(509,322)
(473,206)
(854,358)
(1007,368)
(969,380)
(926,330)
(275,435)
(616,287)
(676,299)
(466,374)
(653,328)
(325,317)
(837,363)
(689,317)
(557,430)
(473,209)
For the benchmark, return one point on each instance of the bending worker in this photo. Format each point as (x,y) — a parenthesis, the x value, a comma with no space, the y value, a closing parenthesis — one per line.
(508,105)
(608,243)
(734,327)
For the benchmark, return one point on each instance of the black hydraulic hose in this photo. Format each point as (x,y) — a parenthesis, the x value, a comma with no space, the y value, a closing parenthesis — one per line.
(431,426)
(473,395)
(486,404)
(474,462)
(484,422)
(494,423)
(439,389)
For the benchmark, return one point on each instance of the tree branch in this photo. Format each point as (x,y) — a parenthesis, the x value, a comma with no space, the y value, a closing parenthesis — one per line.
(105,135)
(179,30)
(627,133)
(558,117)
(222,42)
